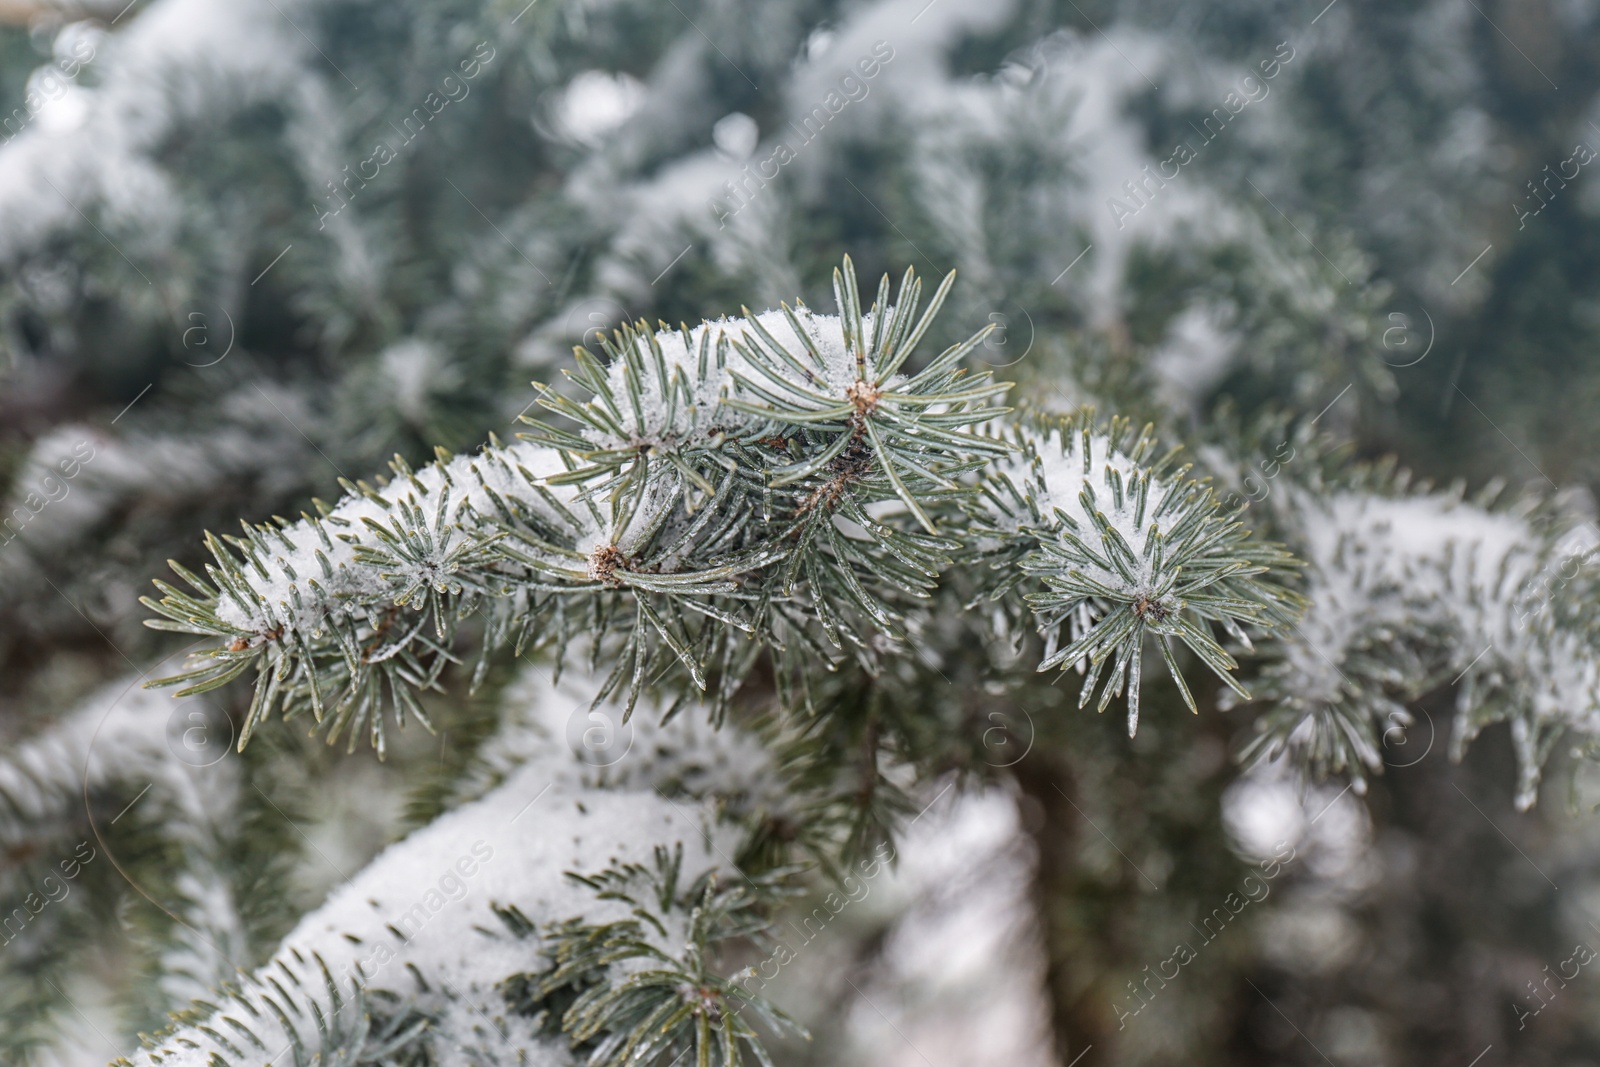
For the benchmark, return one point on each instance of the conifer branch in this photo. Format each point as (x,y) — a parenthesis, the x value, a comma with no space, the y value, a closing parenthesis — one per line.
(1413,589)
(624,994)
(1129,552)
(257,1022)
(774,476)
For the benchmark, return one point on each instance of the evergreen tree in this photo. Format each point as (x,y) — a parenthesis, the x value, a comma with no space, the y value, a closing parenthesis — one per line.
(496,725)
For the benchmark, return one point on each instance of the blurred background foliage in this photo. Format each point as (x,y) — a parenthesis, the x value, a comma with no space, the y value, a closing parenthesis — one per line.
(194,284)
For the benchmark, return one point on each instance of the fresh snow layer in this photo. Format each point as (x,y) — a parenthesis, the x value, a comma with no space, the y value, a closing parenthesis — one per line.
(659,421)
(424,904)
(1389,561)
(1052,475)
(326,548)
(561,788)
(1396,569)
(512,473)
